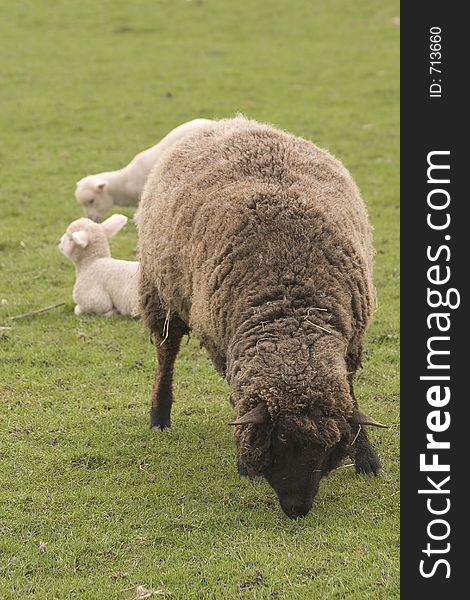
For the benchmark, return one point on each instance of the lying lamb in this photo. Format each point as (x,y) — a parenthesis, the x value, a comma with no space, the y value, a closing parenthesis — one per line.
(104,285)
(258,242)
(98,193)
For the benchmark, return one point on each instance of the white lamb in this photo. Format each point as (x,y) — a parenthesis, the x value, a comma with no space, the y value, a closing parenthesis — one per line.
(98,193)
(104,285)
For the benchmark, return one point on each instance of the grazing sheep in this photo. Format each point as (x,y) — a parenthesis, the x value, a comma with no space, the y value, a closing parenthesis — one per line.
(98,193)
(104,285)
(258,242)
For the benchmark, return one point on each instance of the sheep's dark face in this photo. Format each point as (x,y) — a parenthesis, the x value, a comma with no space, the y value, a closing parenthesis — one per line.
(293,454)
(297,467)
(293,451)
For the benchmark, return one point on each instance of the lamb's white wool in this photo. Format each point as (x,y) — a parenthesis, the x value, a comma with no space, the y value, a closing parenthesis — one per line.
(104,285)
(98,193)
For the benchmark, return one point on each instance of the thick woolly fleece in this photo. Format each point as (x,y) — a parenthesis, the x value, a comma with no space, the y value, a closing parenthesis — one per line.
(259,242)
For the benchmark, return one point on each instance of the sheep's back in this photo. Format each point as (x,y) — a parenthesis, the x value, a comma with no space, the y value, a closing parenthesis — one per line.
(240,212)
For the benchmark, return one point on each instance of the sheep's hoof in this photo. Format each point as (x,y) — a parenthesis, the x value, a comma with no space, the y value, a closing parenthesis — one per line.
(160,427)
(368,464)
(161,423)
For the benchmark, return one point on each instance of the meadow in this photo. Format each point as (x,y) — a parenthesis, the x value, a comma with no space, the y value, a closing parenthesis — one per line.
(93,505)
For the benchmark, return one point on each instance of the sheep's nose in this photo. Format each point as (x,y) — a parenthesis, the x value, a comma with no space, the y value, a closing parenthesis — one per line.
(295,508)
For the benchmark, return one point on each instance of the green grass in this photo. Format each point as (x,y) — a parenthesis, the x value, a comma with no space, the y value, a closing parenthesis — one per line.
(92,504)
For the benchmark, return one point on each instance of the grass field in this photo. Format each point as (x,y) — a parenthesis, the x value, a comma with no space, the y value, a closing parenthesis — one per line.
(92,504)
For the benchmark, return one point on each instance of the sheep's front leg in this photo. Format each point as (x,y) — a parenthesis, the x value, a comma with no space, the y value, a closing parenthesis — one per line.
(363,454)
(242,470)
(361,450)
(162,393)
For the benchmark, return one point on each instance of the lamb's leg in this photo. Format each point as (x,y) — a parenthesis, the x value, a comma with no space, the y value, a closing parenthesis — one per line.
(162,392)
(362,451)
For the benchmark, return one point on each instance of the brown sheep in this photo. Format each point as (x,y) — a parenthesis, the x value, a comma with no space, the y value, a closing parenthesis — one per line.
(258,241)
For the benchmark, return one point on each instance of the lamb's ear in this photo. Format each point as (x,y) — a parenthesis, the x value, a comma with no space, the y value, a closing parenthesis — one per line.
(99,184)
(113,224)
(256,415)
(360,418)
(81,238)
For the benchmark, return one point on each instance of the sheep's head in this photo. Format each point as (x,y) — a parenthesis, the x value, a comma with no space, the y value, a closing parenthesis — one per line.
(294,450)
(84,237)
(92,193)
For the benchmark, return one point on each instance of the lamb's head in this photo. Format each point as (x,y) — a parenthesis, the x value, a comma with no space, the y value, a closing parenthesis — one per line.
(93,194)
(85,238)
(293,448)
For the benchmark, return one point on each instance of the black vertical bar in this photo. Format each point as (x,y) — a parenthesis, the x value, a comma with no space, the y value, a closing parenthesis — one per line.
(434,119)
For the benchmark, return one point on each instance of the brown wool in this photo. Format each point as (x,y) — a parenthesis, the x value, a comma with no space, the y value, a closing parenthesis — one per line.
(259,242)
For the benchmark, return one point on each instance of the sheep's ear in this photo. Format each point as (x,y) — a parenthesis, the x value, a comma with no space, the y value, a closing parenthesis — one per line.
(81,238)
(256,415)
(100,184)
(113,224)
(360,418)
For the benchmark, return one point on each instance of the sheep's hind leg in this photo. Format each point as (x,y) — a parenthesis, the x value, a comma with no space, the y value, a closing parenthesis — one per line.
(167,349)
